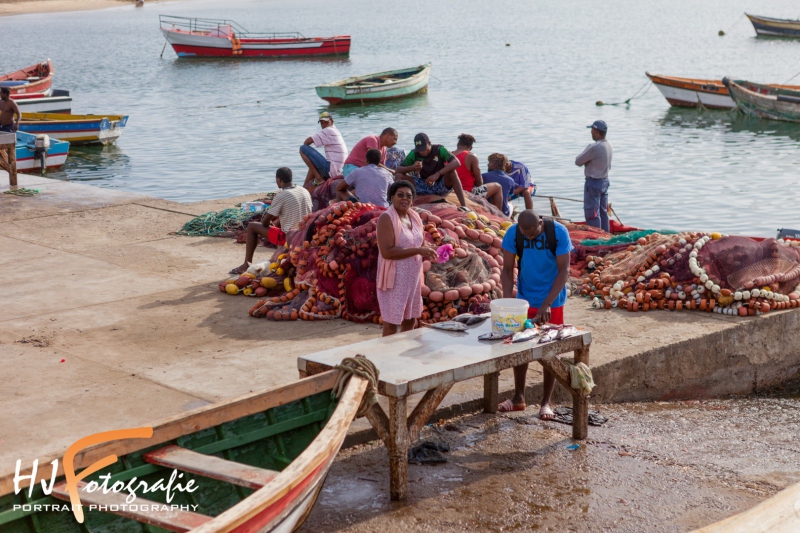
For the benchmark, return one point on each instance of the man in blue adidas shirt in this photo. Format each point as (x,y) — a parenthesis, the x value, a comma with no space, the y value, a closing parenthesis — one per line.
(541,281)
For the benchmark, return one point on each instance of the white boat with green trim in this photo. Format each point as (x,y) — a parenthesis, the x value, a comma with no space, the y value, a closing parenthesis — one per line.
(378,86)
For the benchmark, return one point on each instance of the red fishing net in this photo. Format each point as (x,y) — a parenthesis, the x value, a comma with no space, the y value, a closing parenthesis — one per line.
(330,267)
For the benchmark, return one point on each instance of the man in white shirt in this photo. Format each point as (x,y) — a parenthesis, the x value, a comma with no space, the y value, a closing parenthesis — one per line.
(320,167)
(288,208)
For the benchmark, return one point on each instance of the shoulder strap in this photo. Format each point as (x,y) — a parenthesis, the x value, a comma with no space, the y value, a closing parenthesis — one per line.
(550,235)
(519,239)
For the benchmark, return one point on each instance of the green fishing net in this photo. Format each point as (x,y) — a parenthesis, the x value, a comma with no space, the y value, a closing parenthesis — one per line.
(625,238)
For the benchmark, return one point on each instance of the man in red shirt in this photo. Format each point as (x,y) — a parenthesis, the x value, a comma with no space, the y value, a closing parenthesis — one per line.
(358,155)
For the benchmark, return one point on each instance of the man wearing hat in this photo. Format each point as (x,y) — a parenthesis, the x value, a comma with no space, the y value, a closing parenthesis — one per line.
(436,168)
(596,162)
(321,168)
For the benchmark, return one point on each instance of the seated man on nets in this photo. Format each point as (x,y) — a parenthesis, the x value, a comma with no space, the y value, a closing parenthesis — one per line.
(496,175)
(370,183)
(288,208)
(435,167)
(524,187)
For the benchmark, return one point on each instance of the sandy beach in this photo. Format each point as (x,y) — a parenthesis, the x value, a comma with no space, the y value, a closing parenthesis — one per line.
(24,7)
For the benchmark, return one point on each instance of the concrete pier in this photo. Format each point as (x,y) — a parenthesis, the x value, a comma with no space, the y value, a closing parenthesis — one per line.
(108,321)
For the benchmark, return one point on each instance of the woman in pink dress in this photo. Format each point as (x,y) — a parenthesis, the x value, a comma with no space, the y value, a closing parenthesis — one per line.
(400,242)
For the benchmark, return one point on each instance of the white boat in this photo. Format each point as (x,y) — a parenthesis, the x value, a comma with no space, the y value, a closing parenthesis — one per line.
(59,102)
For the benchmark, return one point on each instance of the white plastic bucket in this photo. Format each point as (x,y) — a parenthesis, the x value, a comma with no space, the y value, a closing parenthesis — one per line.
(509,315)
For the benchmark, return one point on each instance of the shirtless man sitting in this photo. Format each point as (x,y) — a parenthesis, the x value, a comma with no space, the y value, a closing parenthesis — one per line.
(10,115)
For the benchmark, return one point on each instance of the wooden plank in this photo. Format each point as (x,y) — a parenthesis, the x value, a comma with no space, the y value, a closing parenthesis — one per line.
(169,518)
(491,392)
(397,446)
(8,162)
(379,421)
(173,427)
(425,408)
(556,367)
(210,466)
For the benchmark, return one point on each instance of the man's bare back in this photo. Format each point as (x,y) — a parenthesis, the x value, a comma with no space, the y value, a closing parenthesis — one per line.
(8,111)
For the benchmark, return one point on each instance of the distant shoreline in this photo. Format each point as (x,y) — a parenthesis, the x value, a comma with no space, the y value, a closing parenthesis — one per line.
(26,7)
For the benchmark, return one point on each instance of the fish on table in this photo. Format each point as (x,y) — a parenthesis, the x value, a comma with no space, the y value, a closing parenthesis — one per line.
(494,336)
(472,320)
(449,326)
(523,336)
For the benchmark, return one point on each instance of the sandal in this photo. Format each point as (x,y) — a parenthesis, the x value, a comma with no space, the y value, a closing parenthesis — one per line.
(546,412)
(508,406)
(236,272)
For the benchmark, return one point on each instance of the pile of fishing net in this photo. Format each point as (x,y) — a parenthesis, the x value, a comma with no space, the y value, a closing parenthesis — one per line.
(588,241)
(331,265)
(231,222)
(696,271)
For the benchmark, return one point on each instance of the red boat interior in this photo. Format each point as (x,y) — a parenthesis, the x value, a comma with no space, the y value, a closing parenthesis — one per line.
(27,75)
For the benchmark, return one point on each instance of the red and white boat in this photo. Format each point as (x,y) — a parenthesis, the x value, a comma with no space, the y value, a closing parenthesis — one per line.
(696,92)
(193,37)
(35,79)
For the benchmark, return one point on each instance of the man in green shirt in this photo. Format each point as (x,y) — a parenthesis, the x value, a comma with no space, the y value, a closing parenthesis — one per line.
(435,170)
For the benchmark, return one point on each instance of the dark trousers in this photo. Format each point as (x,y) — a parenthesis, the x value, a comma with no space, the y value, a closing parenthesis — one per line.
(595,203)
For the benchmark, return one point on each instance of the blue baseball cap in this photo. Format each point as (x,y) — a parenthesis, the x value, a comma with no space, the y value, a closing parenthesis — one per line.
(599,125)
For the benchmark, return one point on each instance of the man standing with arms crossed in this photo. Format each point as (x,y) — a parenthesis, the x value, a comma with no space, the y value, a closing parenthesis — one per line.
(596,162)
(543,247)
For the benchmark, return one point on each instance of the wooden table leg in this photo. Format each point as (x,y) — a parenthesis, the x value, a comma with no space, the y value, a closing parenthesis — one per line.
(580,403)
(397,446)
(12,166)
(491,392)
(8,162)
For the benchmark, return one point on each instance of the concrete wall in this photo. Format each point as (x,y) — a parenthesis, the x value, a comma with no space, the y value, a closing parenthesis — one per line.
(756,355)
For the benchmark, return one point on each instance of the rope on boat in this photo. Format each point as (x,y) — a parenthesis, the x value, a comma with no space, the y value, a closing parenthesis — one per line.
(722,32)
(790,79)
(363,368)
(259,101)
(558,198)
(634,97)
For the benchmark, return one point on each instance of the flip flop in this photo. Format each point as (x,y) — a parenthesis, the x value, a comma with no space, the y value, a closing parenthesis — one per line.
(546,411)
(507,406)
(236,272)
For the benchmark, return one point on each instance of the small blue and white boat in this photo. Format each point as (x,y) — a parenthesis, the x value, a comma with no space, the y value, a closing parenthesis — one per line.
(40,153)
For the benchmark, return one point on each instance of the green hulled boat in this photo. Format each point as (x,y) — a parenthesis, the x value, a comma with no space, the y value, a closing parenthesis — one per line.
(257,464)
(765,101)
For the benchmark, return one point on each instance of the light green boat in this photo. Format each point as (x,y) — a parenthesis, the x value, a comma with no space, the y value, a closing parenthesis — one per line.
(378,86)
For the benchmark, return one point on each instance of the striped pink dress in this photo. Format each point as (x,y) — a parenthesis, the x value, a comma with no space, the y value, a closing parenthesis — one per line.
(404,300)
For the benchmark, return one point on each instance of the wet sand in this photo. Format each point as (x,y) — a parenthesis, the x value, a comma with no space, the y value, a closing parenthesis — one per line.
(22,7)
(656,467)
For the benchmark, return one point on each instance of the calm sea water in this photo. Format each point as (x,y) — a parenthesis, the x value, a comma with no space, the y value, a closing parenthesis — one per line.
(532,100)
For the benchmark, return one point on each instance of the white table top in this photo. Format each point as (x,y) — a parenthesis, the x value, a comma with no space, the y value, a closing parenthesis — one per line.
(422,359)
